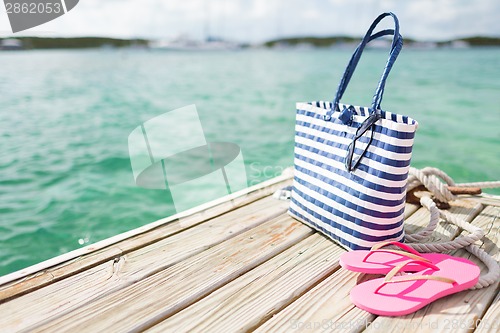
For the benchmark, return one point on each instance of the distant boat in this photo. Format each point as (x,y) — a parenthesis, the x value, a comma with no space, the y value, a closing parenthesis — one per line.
(459,44)
(11,44)
(183,43)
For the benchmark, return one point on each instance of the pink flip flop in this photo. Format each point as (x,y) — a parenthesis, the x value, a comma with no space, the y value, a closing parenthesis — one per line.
(381,261)
(401,295)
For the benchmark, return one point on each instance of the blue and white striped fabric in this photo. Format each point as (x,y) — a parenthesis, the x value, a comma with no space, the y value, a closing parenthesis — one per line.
(358,205)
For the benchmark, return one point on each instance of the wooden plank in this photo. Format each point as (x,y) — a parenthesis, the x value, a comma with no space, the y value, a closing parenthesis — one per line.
(490,323)
(31,278)
(458,312)
(410,209)
(327,307)
(68,294)
(252,298)
(151,300)
(486,199)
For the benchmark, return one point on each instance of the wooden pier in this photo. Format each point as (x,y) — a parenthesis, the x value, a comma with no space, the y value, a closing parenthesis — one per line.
(237,264)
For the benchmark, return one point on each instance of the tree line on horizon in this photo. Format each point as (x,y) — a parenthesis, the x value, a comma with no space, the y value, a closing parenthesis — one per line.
(96,42)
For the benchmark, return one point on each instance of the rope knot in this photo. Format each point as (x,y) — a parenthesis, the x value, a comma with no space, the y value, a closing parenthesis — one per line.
(434,181)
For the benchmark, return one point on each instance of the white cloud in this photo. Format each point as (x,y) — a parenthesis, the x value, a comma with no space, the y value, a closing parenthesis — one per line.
(259,20)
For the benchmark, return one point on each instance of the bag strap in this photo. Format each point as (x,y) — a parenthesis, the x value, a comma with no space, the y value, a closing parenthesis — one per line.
(396,46)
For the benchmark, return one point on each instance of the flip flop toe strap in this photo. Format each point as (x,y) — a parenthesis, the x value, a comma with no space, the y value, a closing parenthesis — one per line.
(409,252)
(390,277)
(398,244)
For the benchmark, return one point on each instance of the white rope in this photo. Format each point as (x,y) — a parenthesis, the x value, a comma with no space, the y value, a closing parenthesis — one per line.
(493,271)
(493,184)
(418,237)
(437,182)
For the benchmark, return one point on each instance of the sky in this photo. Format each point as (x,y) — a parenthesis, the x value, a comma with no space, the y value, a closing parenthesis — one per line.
(256,21)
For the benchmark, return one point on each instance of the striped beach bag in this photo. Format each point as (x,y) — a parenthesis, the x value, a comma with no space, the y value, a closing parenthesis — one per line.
(351,163)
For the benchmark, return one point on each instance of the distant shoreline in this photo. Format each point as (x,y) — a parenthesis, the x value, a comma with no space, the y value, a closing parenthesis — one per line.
(340,41)
(33,43)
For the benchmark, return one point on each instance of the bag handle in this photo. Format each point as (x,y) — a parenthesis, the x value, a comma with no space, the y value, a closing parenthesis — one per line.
(396,46)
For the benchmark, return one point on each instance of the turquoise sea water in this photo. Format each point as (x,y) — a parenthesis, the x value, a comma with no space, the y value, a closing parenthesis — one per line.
(65,174)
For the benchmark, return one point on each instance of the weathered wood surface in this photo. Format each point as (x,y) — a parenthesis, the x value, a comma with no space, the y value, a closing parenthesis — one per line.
(324,308)
(63,296)
(490,322)
(241,265)
(150,300)
(261,292)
